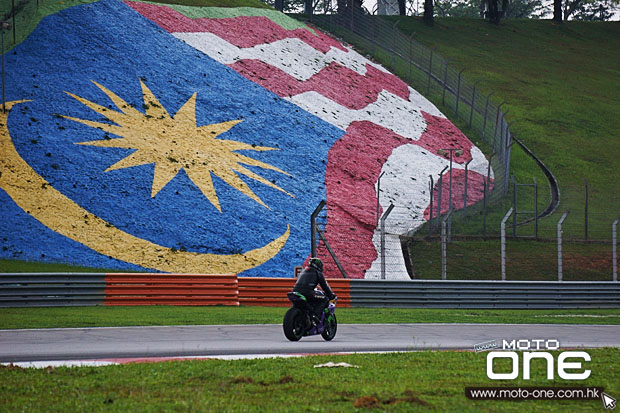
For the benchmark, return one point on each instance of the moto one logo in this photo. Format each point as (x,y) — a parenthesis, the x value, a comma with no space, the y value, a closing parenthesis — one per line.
(566,360)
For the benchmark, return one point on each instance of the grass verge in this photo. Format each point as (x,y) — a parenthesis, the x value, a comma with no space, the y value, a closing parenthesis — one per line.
(382,382)
(64,317)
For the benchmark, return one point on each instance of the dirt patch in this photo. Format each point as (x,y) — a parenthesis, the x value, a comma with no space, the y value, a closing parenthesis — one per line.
(366,402)
(370,402)
(241,380)
(286,379)
(10,367)
(411,397)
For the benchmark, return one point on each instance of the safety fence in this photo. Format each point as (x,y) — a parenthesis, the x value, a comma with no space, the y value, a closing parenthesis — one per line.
(578,242)
(484,294)
(433,76)
(271,292)
(84,289)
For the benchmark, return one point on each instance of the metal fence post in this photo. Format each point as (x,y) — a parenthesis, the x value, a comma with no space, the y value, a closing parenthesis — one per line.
(486,112)
(497,124)
(503,243)
(560,222)
(411,57)
(586,210)
(445,82)
(316,212)
(430,71)
(535,208)
(614,251)
(473,103)
(14,28)
(430,219)
(485,189)
(514,205)
(394,45)
(440,190)
(378,195)
(2,25)
(465,189)
(458,94)
(485,182)
(383,218)
(444,253)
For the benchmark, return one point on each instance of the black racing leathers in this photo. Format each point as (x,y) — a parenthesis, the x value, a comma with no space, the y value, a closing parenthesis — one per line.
(307,282)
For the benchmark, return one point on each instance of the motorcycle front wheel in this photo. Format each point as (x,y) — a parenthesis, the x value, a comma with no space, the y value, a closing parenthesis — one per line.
(294,324)
(330,328)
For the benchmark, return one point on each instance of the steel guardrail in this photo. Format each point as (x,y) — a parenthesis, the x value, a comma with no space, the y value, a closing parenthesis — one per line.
(77,289)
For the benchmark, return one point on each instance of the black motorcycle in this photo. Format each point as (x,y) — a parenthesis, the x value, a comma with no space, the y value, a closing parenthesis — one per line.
(296,323)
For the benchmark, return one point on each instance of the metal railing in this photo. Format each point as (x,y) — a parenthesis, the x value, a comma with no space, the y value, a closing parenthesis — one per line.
(75,289)
(484,294)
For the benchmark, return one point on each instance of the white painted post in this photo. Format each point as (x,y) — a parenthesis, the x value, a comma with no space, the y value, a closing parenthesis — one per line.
(503,243)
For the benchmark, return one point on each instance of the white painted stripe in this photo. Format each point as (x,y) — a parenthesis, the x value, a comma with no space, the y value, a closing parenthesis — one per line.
(231,357)
(60,363)
(389,111)
(405,184)
(293,56)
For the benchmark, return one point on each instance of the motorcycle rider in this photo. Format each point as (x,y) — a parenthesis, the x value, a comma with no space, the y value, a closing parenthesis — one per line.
(307,282)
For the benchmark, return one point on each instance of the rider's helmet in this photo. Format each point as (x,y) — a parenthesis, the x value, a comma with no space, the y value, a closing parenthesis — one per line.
(316,263)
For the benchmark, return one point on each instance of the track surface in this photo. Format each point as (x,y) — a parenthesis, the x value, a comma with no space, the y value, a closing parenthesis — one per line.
(177,341)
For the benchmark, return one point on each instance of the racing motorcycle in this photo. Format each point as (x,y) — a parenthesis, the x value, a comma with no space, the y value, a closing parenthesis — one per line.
(296,323)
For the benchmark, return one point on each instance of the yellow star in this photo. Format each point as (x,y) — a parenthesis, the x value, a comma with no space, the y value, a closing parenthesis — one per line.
(175,142)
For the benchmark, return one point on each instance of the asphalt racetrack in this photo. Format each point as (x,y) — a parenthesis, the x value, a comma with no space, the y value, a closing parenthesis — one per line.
(244,340)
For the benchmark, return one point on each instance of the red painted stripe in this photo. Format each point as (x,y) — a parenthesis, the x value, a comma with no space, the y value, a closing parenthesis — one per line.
(350,182)
(475,191)
(351,196)
(244,31)
(336,82)
(440,133)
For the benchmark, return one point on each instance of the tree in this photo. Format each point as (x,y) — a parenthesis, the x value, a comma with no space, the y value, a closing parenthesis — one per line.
(428,18)
(402,7)
(557,11)
(595,11)
(493,11)
(586,9)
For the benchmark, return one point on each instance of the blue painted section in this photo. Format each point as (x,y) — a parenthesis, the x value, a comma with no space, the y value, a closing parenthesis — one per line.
(109,43)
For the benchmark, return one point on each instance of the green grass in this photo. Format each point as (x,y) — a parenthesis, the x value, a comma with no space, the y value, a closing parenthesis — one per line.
(399,382)
(563,97)
(561,86)
(526,260)
(64,317)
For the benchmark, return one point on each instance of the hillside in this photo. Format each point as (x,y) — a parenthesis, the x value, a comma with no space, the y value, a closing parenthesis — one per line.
(561,86)
(112,154)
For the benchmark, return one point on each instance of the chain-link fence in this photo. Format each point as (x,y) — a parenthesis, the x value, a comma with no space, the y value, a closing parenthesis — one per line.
(362,243)
(573,244)
(431,75)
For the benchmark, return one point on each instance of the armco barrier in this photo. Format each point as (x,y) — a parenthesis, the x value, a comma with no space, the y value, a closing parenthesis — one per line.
(171,289)
(485,294)
(272,291)
(51,289)
(76,289)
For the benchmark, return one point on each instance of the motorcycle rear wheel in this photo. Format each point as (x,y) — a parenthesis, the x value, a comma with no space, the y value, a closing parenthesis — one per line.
(294,324)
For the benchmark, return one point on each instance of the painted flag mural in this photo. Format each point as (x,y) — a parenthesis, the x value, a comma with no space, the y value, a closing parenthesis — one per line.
(199,140)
